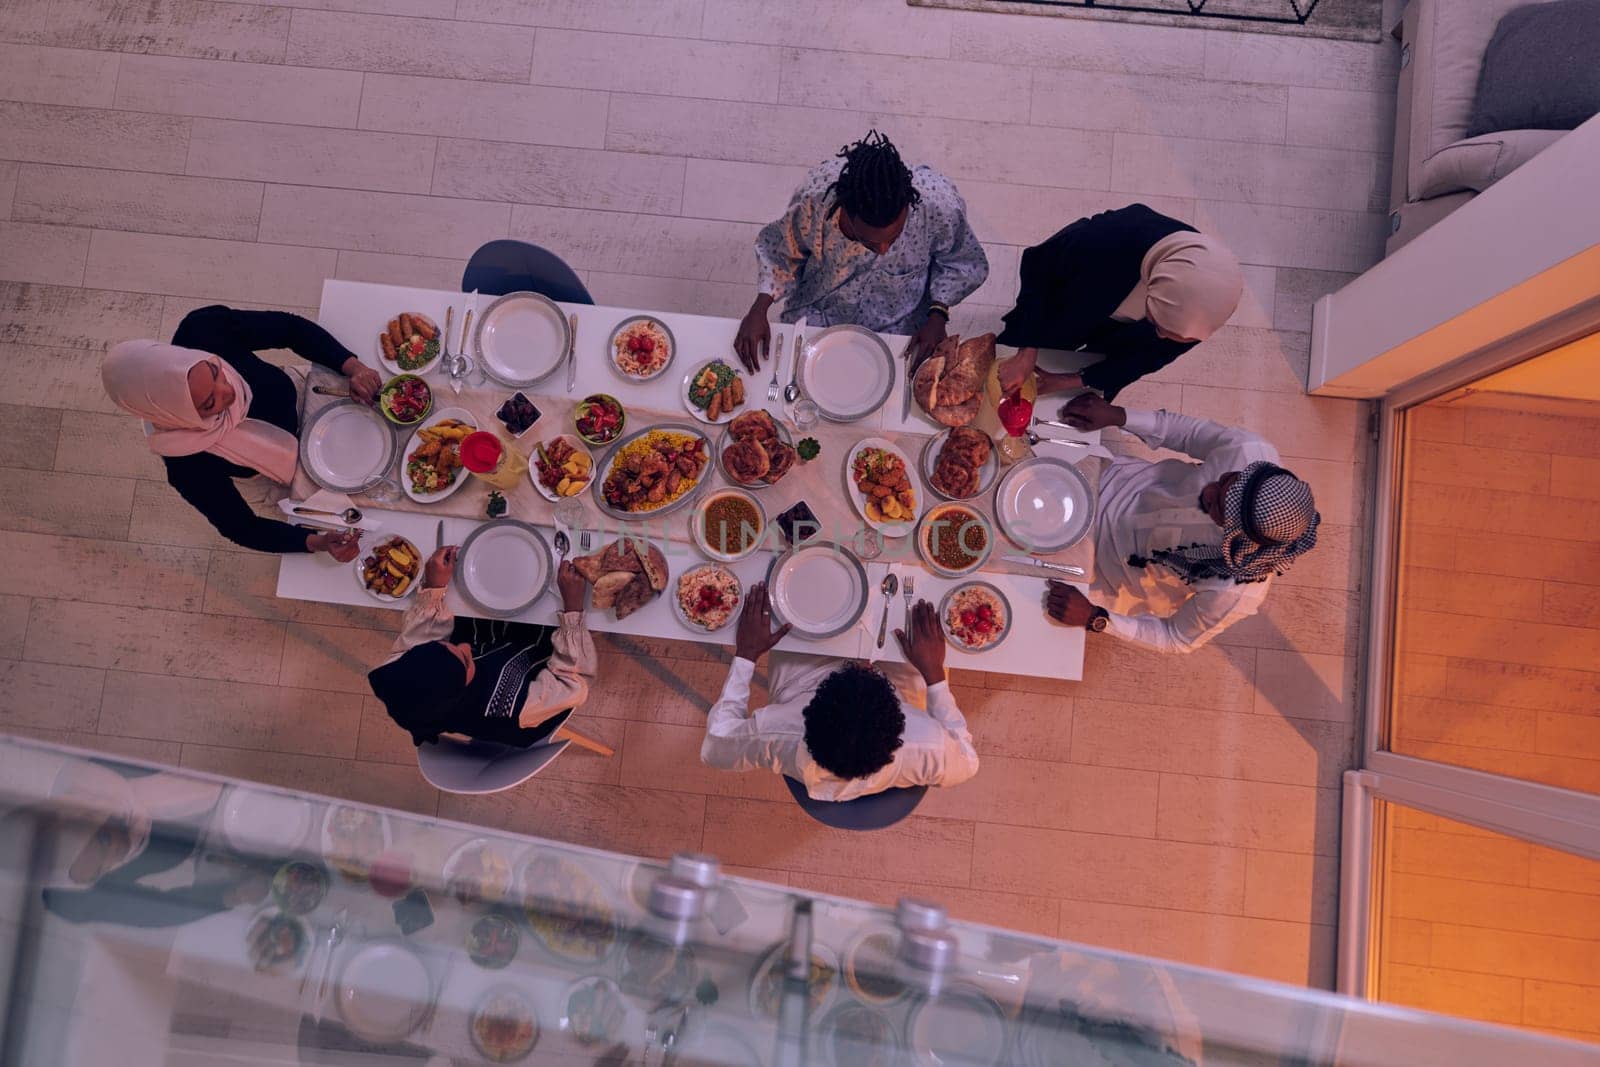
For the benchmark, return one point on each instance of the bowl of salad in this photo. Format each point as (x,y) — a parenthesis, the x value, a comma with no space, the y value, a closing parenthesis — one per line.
(599,419)
(405,400)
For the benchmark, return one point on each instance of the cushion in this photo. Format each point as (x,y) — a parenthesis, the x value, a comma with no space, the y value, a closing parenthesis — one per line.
(1540,70)
(1476,163)
(1451,38)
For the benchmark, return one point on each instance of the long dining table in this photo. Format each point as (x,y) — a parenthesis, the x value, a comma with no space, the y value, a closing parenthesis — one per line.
(356,312)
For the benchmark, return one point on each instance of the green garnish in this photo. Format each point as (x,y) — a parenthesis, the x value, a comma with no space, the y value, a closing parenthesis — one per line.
(497,504)
(809,449)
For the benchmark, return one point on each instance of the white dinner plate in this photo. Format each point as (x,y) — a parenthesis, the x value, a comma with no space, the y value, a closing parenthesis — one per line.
(820,588)
(384,992)
(895,528)
(391,367)
(521,339)
(504,567)
(256,821)
(346,447)
(700,413)
(1044,504)
(847,371)
(416,442)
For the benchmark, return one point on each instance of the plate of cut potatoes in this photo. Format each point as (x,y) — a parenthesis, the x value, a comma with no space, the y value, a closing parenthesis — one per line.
(713,391)
(433,457)
(561,467)
(409,343)
(390,571)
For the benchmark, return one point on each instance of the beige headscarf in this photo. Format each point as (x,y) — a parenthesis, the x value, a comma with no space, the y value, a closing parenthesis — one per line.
(151,380)
(1189,284)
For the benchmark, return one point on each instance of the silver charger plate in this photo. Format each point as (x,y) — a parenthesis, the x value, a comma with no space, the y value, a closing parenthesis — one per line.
(611,348)
(1044,504)
(603,468)
(521,339)
(819,587)
(347,447)
(930,461)
(504,567)
(847,372)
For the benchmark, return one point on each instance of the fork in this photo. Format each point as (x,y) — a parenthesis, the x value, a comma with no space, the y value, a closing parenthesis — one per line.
(777,361)
(584,541)
(907,587)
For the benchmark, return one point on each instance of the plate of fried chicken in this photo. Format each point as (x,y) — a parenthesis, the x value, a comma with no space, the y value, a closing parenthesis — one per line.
(653,472)
(755,450)
(960,463)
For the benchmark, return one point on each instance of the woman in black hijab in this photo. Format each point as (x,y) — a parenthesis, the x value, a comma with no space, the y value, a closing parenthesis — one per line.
(489,679)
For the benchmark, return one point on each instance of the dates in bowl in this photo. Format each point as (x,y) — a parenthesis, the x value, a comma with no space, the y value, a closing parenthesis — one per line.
(518,413)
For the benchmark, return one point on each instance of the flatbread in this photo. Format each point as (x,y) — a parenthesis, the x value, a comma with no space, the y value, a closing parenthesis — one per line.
(655,566)
(610,585)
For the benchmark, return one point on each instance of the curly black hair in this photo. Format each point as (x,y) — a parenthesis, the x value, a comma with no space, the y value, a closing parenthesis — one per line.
(875,185)
(854,722)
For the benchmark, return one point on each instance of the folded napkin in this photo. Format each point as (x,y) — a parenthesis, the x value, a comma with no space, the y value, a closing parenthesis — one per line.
(324,500)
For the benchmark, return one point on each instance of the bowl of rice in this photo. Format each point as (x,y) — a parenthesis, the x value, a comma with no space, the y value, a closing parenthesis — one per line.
(975,617)
(642,348)
(708,597)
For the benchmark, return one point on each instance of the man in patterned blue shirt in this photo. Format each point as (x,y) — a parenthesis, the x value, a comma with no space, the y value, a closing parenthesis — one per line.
(867,241)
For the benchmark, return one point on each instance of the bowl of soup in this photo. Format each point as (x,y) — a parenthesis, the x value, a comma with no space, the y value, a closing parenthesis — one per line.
(728,525)
(954,540)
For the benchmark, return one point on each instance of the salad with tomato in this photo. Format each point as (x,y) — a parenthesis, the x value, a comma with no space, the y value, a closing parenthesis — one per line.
(599,419)
(405,399)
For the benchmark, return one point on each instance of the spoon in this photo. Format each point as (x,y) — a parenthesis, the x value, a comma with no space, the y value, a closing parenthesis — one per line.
(791,392)
(563,542)
(351,516)
(1035,439)
(891,586)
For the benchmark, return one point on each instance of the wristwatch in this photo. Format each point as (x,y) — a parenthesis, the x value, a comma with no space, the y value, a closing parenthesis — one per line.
(1098,621)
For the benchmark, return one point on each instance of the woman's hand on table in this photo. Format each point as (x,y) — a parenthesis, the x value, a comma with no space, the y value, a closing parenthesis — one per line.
(440,568)
(365,383)
(1014,372)
(755,634)
(754,338)
(924,649)
(342,545)
(571,585)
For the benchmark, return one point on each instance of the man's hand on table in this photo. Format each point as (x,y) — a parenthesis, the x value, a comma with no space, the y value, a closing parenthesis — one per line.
(755,634)
(924,649)
(440,568)
(754,338)
(1091,411)
(570,583)
(927,338)
(1066,604)
(365,383)
(342,545)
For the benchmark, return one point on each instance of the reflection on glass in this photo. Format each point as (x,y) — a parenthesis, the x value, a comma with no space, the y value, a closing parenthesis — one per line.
(1497,618)
(158,917)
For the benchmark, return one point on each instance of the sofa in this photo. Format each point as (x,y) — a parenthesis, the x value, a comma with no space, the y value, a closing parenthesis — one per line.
(1437,168)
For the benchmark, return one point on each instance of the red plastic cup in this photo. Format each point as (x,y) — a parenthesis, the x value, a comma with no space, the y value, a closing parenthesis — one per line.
(390,875)
(1015,411)
(481,452)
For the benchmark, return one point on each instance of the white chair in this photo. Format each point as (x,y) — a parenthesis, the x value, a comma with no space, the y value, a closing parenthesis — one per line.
(476,767)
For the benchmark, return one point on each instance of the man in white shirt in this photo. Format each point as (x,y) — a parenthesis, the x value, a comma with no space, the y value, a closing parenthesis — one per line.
(841,728)
(1185,550)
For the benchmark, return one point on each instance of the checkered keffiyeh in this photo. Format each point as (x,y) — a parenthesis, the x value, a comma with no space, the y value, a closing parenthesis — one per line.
(1271,520)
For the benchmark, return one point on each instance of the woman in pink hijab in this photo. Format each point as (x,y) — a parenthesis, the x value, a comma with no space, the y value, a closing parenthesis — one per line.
(1133,286)
(214,411)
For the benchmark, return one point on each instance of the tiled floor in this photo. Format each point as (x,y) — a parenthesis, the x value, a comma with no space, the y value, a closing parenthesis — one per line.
(156,156)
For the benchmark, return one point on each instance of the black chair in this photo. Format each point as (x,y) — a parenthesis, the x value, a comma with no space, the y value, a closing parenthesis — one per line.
(505,266)
(873,812)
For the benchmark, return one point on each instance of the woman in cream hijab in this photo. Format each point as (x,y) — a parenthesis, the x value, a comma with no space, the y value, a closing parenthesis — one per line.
(215,412)
(1131,285)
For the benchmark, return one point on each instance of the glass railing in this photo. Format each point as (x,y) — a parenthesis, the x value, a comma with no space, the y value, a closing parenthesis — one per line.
(156,916)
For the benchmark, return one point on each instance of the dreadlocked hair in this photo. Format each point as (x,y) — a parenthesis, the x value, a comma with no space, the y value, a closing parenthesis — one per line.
(854,722)
(875,184)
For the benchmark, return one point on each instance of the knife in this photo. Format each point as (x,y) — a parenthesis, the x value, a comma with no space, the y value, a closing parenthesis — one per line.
(905,407)
(438,542)
(572,351)
(1052,422)
(1029,561)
